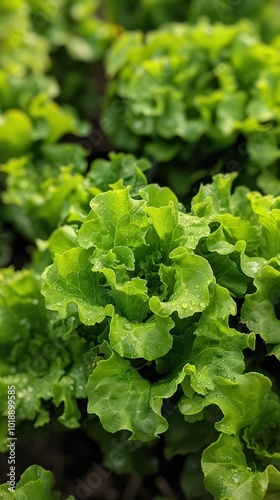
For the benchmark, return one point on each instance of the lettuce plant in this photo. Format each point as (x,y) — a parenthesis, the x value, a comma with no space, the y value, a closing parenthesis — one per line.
(245,231)
(26,103)
(35,483)
(153,314)
(163,319)
(197,93)
(157,289)
(37,356)
(26,94)
(28,108)
(22,49)
(31,31)
(49,360)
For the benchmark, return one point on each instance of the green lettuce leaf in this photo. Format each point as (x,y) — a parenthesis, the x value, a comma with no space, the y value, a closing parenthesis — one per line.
(259,310)
(149,340)
(19,142)
(192,278)
(103,173)
(240,401)
(124,400)
(34,483)
(125,222)
(243,223)
(228,477)
(70,281)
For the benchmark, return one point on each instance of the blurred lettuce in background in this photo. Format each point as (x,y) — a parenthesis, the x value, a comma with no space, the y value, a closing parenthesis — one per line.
(202,96)
(150,14)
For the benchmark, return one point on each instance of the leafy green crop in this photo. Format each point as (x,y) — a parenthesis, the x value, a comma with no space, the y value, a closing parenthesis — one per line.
(206,95)
(142,319)
(38,356)
(35,484)
(158,288)
(28,108)
(151,326)
(22,49)
(30,32)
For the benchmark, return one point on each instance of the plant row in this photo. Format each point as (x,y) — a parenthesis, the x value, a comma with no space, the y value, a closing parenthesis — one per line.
(157,306)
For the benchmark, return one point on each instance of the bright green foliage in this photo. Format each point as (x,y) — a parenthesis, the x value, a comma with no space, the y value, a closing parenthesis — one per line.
(165,319)
(143,277)
(145,295)
(155,286)
(35,119)
(244,224)
(188,92)
(27,106)
(127,273)
(245,236)
(18,143)
(39,193)
(35,484)
(22,49)
(42,356)
(124,400)
(26,94)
